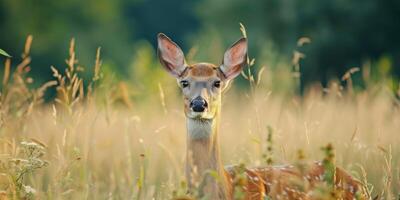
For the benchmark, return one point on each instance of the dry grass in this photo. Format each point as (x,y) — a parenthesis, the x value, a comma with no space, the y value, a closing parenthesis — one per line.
(96,150)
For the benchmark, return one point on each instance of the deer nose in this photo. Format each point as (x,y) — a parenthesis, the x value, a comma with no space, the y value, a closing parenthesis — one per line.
(198,104)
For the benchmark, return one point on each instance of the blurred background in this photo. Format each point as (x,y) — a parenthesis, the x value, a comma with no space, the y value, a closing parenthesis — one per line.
(343,35)
(324,72)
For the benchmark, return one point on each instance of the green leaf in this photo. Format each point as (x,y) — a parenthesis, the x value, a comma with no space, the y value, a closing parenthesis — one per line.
(2,52)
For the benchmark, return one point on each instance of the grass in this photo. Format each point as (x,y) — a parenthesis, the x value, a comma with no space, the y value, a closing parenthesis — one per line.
(93,142)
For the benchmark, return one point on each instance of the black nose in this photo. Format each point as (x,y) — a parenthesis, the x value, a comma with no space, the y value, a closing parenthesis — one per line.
(198,104)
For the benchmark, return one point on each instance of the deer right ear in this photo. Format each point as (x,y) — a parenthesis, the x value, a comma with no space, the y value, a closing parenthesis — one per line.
(234,59)
(170,55)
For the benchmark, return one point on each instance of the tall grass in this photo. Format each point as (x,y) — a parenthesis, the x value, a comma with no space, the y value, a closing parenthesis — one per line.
(94,142)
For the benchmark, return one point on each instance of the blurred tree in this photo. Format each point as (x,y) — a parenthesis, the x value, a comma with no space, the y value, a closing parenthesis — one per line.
(173,17)
(343,33)
(113,25)
(54,23)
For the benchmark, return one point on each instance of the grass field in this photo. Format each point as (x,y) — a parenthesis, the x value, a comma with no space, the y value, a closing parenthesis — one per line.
(97,143)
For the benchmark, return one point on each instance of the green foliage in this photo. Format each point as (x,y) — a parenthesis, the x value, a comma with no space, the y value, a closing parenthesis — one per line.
(240,181)
(268,154)
(2,52)
(343,34)
(329,164)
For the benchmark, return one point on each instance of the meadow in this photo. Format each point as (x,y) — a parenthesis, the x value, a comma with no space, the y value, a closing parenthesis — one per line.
(93,140)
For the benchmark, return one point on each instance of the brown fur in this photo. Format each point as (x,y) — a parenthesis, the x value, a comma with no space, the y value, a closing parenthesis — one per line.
(202,70)
(287,182)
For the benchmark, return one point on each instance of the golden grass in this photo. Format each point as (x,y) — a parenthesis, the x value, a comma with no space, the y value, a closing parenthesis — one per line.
(102,151)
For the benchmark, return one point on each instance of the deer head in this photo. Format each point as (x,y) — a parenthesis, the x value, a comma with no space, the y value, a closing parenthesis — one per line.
(202,83)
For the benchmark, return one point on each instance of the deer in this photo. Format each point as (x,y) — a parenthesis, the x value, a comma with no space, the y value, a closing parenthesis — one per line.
(202,86)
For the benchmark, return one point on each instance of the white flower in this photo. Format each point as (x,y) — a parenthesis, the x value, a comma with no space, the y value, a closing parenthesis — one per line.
(29,190)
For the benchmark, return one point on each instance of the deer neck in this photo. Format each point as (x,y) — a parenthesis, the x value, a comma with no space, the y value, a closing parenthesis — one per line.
(203,158)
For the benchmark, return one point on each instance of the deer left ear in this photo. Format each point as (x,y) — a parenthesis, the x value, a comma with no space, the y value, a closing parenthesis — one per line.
(235,58)
(170,55)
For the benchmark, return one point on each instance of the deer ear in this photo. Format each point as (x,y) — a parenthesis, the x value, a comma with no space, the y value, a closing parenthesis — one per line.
(235,59)
(170,55)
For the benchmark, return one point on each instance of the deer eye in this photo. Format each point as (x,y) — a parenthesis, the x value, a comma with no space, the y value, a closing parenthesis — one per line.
(217,84)
(184,84)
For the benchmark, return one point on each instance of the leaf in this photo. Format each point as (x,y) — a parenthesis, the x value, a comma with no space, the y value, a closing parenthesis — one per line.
(2,52)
